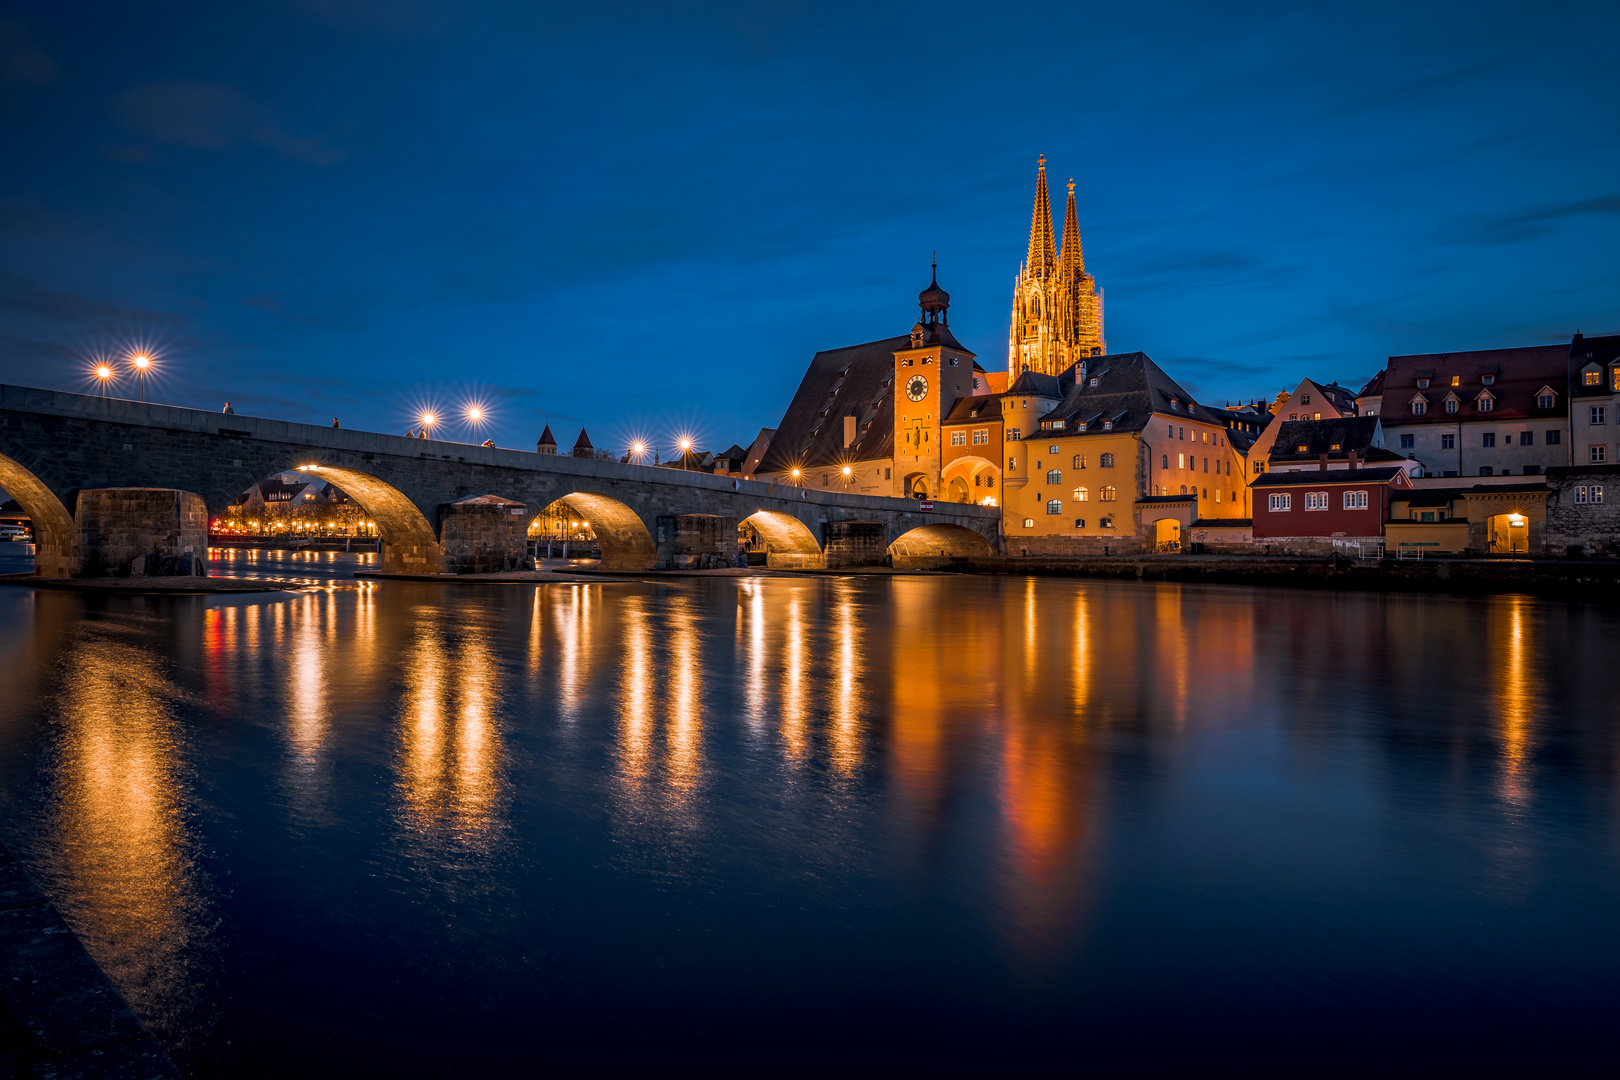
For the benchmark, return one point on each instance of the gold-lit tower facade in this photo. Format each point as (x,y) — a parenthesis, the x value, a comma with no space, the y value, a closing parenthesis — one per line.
(1057,315)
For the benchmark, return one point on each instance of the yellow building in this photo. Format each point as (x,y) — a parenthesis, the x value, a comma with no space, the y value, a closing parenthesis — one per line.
(1113,457)
(1057,314)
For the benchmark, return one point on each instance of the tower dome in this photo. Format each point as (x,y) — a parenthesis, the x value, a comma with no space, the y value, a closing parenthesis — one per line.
(934,300)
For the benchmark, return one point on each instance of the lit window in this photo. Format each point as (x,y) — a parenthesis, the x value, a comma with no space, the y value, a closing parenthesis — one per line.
(1592,378)
(1355,500)
(1106,494)
(1079,461)
(1280,502)
(1082,494)
(1054,506)
(1456,380)
(1105,523)
(1580,493)
(1079,523)
(1614,378)
(1054,476)
(1597,493)
(1181,461)
(1029,523)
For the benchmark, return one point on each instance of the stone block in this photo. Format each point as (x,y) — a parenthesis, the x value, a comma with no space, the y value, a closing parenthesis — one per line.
(696,541)
(147,531)
(856,543)
(485,534)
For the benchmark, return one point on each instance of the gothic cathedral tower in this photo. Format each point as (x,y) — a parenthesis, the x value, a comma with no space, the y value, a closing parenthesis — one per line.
(1057,312)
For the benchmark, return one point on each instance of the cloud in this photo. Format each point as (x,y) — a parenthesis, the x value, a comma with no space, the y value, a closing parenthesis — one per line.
(24,296)
(1522,225)
(208,116)
(21,61)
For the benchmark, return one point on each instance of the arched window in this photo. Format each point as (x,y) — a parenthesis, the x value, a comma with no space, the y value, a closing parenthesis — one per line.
(1054,506)
(1106,494)
(1106,461)
(1082,494)
(1184,489)
(1054,476)
(1079,461)
(1164,461)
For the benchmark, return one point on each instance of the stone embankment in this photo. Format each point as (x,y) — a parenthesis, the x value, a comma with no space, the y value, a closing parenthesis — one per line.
(1565,578)
(59,1016)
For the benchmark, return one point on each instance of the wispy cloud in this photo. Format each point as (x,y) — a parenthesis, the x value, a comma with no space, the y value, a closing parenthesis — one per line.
(209,116)
(24,296)
(1521,225)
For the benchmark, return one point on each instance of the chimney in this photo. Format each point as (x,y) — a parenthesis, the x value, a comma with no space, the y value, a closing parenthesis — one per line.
(1323,461)
(1352,459)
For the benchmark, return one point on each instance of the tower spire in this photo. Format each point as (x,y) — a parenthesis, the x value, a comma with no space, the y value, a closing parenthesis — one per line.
(1042,249)
(1072,260)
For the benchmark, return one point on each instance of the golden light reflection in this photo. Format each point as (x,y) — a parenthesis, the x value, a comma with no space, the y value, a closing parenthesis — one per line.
(635,694)
(795,659)
(684,733)
(845,731)
(1516,689)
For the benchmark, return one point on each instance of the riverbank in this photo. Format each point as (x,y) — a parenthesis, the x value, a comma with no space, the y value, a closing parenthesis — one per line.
(59,1015)
(1562,578)
(173,586)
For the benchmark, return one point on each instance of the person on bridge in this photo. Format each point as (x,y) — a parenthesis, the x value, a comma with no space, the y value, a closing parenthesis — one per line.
(334,421)
(410,434)
(228,410)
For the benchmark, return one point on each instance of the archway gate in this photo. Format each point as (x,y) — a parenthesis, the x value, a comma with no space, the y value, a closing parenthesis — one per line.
(655,516)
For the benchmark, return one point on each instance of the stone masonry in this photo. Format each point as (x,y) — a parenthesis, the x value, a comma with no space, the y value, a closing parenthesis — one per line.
(485,534)
(142,532)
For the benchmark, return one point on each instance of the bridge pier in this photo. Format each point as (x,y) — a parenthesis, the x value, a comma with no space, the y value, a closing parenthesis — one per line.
(485,534)
(696,541)
(856,543)
(142,532)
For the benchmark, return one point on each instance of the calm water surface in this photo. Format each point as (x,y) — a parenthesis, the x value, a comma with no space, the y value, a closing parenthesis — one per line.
(449,829)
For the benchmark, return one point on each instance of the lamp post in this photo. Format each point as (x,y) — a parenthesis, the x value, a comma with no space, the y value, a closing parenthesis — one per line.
(103,373)
(428,420)
(849,473)
(142,364)
(638,451)
(474,415)
(686,452)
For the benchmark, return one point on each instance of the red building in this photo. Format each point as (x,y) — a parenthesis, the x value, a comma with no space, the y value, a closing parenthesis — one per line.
(1315,512)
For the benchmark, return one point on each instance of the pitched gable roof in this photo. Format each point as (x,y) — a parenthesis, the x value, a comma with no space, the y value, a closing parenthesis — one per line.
(1130,389)
(853,380)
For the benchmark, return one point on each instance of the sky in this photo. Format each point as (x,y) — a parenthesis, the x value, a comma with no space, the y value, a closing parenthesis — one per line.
(645,218)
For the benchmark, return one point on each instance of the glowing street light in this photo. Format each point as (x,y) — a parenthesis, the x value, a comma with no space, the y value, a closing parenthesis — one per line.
(474,416)
(428,420)
(103,373)
(796,474)
(638,450)
(848,472)
(142,364)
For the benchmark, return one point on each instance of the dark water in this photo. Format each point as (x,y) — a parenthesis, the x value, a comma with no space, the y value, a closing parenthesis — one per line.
(450,829)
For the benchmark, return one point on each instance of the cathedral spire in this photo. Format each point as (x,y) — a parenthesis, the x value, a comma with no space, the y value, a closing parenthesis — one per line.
(1071,260)
(1042,253)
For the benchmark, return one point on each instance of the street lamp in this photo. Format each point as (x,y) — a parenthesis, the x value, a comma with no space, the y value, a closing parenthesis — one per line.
(638,450)
(428,420)
(686,451)
(474,415)
(143,364)
(795,474)
(848,472)
(103,373)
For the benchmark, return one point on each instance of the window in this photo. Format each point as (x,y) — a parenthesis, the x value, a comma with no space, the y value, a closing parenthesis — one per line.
(1106,461)
(1407,441)
(1181,433)
(1423,384)
(1184,489)
(1301,448)
(1279,502)
(1259,467)
(1082,494)
(1106,494)
(1316,500)
(1545,401)
(1054,476)
(1592,378)
(1487,379)
(1554,437)
(1206,464)
(1105,523)
(1597,493)
(1079,523)
(1527,438)
(1053,450)
(1012,463)
(1486,403)
(1448,442)
(981,436)
(1426,516)
(1029,523)
(1456,380)
(1614,378)
(1079,461)
(1419,408)
(1488,439)
(886,475)
(1181,461)
(1580,493)
(958,438)
(1355,500)
(1164,461)
(1451,406)
(1172,428)
(1054,506)
(953,361)
(1486,470)
(1304,399)
(1013,434)
(1598,414)
(1597,453)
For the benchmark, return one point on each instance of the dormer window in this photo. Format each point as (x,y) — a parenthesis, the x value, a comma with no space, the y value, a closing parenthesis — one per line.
(1108,425)
(1486,402)
(1592,375)
(1334,446)
(1614,378)
(1301,448)
(1419,406)
(1451,405)
(1546,398)
(1093,381)
(1456,380)
(1488,380)
(1423,384)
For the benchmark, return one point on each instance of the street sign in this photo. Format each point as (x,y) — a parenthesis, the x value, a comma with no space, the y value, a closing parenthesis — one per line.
(926,507)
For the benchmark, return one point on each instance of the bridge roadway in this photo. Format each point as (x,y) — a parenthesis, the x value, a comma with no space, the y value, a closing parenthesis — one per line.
(84,468)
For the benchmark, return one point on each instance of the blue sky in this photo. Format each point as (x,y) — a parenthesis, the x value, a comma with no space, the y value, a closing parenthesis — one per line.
(646,217)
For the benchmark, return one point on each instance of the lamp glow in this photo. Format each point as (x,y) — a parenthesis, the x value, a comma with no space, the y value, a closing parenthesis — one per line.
(103,373)
(142,363)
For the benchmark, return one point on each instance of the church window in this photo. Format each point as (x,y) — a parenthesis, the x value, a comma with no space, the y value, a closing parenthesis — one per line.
(1106,461)
(958,438)
(1106,494)
(1054,476)
(1082,494)
(1079,461)
(1054,506)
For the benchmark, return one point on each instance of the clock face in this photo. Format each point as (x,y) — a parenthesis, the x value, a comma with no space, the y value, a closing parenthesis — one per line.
(917,388)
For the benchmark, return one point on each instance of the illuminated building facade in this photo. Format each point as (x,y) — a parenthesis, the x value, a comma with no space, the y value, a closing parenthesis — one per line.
(1057,312)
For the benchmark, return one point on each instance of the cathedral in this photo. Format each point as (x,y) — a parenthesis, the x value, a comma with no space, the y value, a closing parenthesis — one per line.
(1057,314)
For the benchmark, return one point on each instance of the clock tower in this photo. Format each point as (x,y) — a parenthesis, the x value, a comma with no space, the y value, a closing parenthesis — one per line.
(931,373)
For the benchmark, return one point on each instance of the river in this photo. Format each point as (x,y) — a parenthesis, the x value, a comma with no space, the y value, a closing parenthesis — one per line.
(447,829)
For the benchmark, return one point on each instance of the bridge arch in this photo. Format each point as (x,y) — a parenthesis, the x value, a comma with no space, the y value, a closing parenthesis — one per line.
(941,540)
(784,533)
(56,538)
(620,533)
(409,545)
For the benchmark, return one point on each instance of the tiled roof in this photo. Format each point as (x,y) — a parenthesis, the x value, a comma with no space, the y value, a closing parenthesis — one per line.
(1328,476)
(1335,436)
(1130,389)
(857,379)
(1519,376)
(1374,387)
(1603,351)
(975,410)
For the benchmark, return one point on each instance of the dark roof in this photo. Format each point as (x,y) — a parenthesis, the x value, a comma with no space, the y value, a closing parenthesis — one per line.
(1431,496)
(1222,523)
(1130,389)
(732,453)
(1156,499)
(979,409)
(1327,476)
(1583,470)
(1603,351)
(857,379)
(1341,398)
(1503,489)
(546,437)
(1520,373)
(1037,384)
(1374,386)
(583,442)
(1320,437)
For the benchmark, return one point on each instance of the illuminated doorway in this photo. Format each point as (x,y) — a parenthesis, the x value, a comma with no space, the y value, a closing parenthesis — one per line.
(917,486)
(1167,535)
(1508,534)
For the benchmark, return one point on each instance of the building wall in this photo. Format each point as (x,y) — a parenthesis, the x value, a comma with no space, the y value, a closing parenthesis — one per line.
(1080,491)
(1590,526)
(1297,521)
(1469,454)
(1593,423)
(978,465)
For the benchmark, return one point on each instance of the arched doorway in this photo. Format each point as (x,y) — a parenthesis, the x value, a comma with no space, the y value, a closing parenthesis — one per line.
(1508,534)
(56,540)
(1167,535)
(917,486)
(959,490)
(625,543)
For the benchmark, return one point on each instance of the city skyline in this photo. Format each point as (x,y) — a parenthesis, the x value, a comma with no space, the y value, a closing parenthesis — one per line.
(354,210)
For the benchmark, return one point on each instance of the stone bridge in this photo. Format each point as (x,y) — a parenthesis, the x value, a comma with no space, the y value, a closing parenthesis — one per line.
(104,479)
